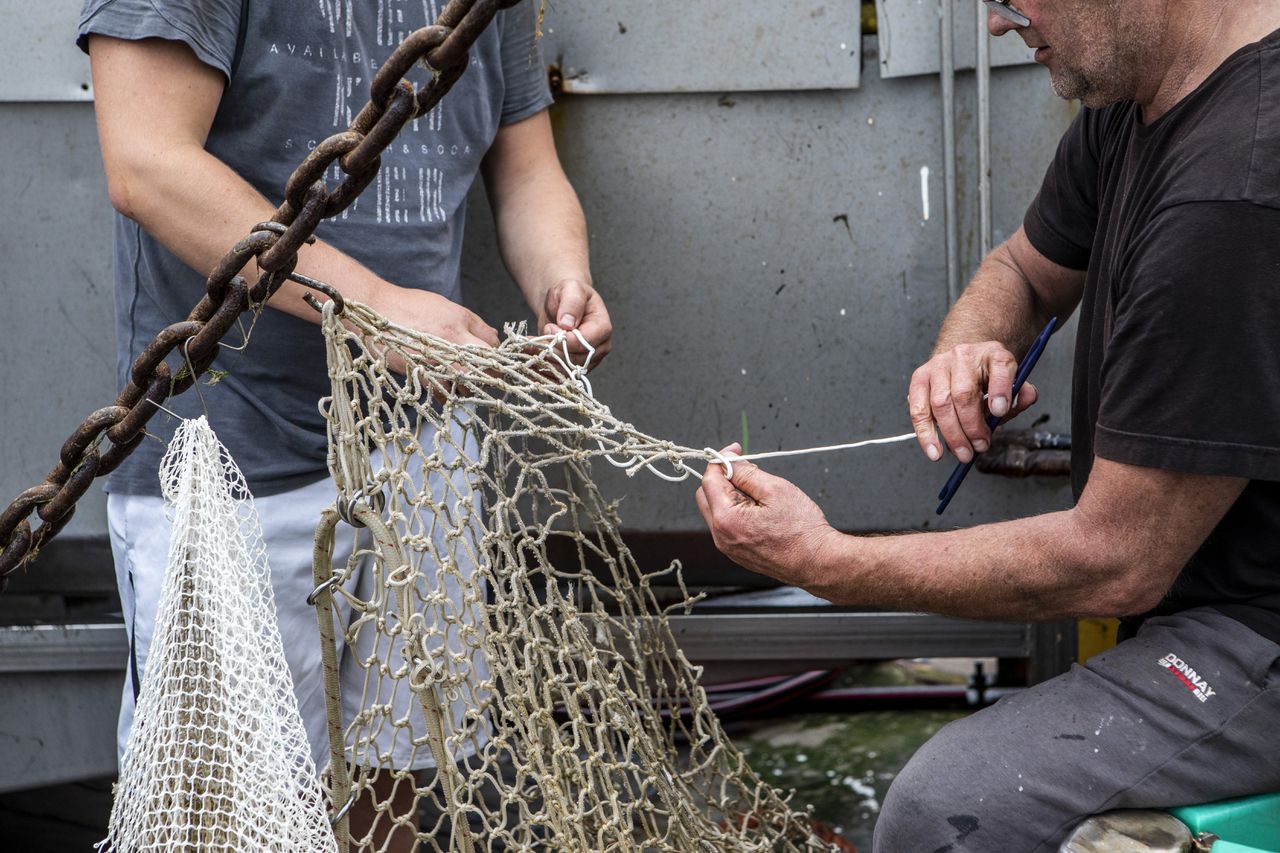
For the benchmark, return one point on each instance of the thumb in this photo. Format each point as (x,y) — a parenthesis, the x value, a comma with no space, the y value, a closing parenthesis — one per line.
(752,481)
(566,304)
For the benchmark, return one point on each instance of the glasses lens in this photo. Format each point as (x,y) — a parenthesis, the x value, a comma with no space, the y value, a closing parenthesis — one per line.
(1010,14)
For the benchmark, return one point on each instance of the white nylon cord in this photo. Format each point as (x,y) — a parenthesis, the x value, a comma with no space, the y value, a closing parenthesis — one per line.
(892,439)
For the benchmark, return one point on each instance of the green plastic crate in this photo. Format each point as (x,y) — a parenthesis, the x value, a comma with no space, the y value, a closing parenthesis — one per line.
(1245,825)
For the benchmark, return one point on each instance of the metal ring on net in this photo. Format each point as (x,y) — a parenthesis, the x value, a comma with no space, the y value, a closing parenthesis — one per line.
(346,506)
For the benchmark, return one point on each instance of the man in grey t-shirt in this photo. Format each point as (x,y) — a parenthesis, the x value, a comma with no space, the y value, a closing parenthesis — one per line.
(204,109)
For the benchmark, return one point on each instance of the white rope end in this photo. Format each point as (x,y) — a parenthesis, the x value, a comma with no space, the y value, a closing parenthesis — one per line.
(723,460)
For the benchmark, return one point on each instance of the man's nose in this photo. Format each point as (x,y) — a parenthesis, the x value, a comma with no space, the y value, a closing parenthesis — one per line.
(998,25)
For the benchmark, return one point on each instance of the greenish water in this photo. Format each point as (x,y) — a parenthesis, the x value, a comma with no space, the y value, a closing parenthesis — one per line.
(840,764)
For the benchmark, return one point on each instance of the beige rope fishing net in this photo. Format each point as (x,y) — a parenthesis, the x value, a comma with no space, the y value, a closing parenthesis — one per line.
(513,662)
(217,759)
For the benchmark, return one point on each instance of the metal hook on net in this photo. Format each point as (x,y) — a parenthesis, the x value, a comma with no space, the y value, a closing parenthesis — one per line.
(195,377)
(330,583)
(342,812)
(339,304)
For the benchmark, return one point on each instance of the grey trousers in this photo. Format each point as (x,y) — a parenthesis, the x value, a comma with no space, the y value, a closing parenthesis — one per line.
(1187,711)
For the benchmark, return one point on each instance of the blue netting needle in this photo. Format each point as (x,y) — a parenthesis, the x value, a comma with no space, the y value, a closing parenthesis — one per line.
(1024,370)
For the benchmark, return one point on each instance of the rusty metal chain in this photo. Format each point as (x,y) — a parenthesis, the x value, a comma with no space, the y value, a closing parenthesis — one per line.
(443,49)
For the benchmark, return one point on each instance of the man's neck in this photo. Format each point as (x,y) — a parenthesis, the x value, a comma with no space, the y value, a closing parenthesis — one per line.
(1199,38)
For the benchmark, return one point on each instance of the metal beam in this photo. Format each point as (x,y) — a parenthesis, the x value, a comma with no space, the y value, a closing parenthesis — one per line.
(63,648)
(749,636)
(844,636)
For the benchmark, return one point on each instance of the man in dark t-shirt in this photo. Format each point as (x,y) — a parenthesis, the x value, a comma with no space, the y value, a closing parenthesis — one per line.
(1160,219)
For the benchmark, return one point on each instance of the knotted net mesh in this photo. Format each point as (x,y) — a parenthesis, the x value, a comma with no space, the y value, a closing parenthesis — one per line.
(500,629)
(217,758)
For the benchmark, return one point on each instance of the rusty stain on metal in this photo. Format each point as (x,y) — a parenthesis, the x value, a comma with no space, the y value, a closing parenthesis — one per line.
(555,80)
(1027,453)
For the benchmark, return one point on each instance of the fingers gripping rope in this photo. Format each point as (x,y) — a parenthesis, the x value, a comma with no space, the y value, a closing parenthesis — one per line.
(579,375)
(562,356)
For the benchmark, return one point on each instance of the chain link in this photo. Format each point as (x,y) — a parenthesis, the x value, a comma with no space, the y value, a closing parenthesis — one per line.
(443,49)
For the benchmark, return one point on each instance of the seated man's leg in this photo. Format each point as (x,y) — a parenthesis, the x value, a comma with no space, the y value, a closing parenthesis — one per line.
(1179,714)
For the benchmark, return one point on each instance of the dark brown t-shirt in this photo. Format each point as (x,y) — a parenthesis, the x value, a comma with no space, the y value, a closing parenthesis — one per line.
(1177,361)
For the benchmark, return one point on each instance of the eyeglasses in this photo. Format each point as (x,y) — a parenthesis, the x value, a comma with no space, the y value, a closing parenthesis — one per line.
(1005,9)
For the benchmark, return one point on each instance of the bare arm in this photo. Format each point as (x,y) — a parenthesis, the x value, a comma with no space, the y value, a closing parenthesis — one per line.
(542,232)
(1014,293)
(1115,553)
(155,104)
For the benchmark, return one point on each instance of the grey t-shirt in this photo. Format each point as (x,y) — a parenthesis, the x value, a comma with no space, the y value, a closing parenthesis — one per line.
(298,71)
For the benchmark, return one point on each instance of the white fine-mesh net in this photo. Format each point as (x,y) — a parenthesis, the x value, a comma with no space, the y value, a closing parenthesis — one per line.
(498,625)
(217,759)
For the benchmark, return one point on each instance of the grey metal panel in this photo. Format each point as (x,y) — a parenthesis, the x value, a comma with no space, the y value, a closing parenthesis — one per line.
(769,254)
(614,46)
(39,60)
(58,727)
(59,699)
(58,344)
(63,648)
(910,34)
(825,637)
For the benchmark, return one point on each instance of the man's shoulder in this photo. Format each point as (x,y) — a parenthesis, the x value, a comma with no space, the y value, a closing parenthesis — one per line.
(1222,142)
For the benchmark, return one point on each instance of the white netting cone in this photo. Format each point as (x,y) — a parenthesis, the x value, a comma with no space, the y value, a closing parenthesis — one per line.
(217,759)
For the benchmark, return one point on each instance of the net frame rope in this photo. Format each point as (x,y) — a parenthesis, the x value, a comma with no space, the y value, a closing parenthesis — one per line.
(547,682)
